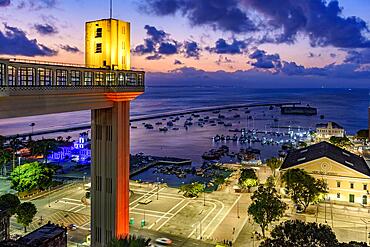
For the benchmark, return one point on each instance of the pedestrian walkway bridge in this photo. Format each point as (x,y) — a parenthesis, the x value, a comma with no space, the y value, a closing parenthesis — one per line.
(55,86)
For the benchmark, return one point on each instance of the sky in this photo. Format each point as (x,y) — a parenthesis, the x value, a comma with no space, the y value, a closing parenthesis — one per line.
(270,43)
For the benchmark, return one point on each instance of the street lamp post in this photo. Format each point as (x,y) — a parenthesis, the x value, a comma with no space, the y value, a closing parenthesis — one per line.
(366,236)
(200,229)
(49,196)
(157,188)
(204,195)
(237,208)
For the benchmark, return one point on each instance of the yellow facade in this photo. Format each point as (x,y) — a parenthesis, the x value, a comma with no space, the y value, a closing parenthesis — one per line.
(345,184)
(107,44)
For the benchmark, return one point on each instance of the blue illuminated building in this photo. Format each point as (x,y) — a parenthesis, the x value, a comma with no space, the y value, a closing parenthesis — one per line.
(77,151)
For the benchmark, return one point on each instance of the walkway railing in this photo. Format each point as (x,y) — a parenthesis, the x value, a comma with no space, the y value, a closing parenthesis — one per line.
(20,73)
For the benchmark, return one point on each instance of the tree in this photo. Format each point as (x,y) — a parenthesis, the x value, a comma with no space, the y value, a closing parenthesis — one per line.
(15,145)
(298,233)
(11,202)
(5,158)
(248,179)
(274,163)
(25,213)
(341,142)
(2,141)
(266,207)
(219,179)
(44,147)
(31,176)
(130,241)
(362,134)
(303,188)
(192,190)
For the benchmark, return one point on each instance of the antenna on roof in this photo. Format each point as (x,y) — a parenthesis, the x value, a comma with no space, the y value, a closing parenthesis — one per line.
(111,9)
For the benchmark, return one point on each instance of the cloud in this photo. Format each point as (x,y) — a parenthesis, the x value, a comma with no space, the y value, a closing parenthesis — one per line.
(71,49)
(4,3)
(278,21)
(154,57)
(13,41)
(272,63)
(37,4)
(264,60)
(358,56)
(177,62)
(155,34)
(313,55)
(146,48)
(157,43)
(298,77)
(322,21)
(222,47)
(192,49)
(223,60)
(225,15)
(45,29)
(168,48)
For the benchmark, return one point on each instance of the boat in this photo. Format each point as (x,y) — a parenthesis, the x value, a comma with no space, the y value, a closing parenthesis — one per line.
(164,129)
(175,128)
(148,126)
(236,116)
(298,110)
(221,116)
(228,125)
(169,123)
(158,123)
(133,127)
(234,130)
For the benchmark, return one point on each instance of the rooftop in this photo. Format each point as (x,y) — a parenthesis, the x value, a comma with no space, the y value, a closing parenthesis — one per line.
(42,235)
(334,125)
(325,149)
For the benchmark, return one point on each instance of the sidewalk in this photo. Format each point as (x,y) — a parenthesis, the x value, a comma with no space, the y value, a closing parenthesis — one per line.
(232,225)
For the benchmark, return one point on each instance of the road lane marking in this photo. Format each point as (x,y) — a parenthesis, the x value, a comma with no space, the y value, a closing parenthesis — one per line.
(173,215)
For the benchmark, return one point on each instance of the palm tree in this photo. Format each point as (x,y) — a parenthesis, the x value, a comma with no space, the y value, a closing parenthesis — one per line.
(5,158)
(44,147)
(15,145)
(274,163)
(129,241)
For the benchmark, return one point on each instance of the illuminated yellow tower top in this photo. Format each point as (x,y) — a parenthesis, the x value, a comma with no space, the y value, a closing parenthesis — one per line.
(108,44)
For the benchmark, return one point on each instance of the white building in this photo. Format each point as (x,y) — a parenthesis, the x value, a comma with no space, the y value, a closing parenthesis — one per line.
(327,130)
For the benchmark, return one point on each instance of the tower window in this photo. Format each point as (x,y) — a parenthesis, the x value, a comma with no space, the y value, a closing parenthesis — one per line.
(99,32)
(98,48)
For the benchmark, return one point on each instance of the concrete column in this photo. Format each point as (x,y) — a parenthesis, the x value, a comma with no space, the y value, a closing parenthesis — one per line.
(110,173)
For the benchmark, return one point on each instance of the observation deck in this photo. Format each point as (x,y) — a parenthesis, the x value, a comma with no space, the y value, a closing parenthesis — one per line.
(39,87)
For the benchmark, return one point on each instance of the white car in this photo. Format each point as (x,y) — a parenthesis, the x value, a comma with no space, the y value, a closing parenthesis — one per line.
(164,241)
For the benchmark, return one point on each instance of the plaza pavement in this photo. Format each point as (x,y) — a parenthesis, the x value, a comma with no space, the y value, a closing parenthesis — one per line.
(186,219)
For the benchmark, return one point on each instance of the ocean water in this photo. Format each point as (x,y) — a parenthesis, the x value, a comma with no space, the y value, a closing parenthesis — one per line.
(344,106)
